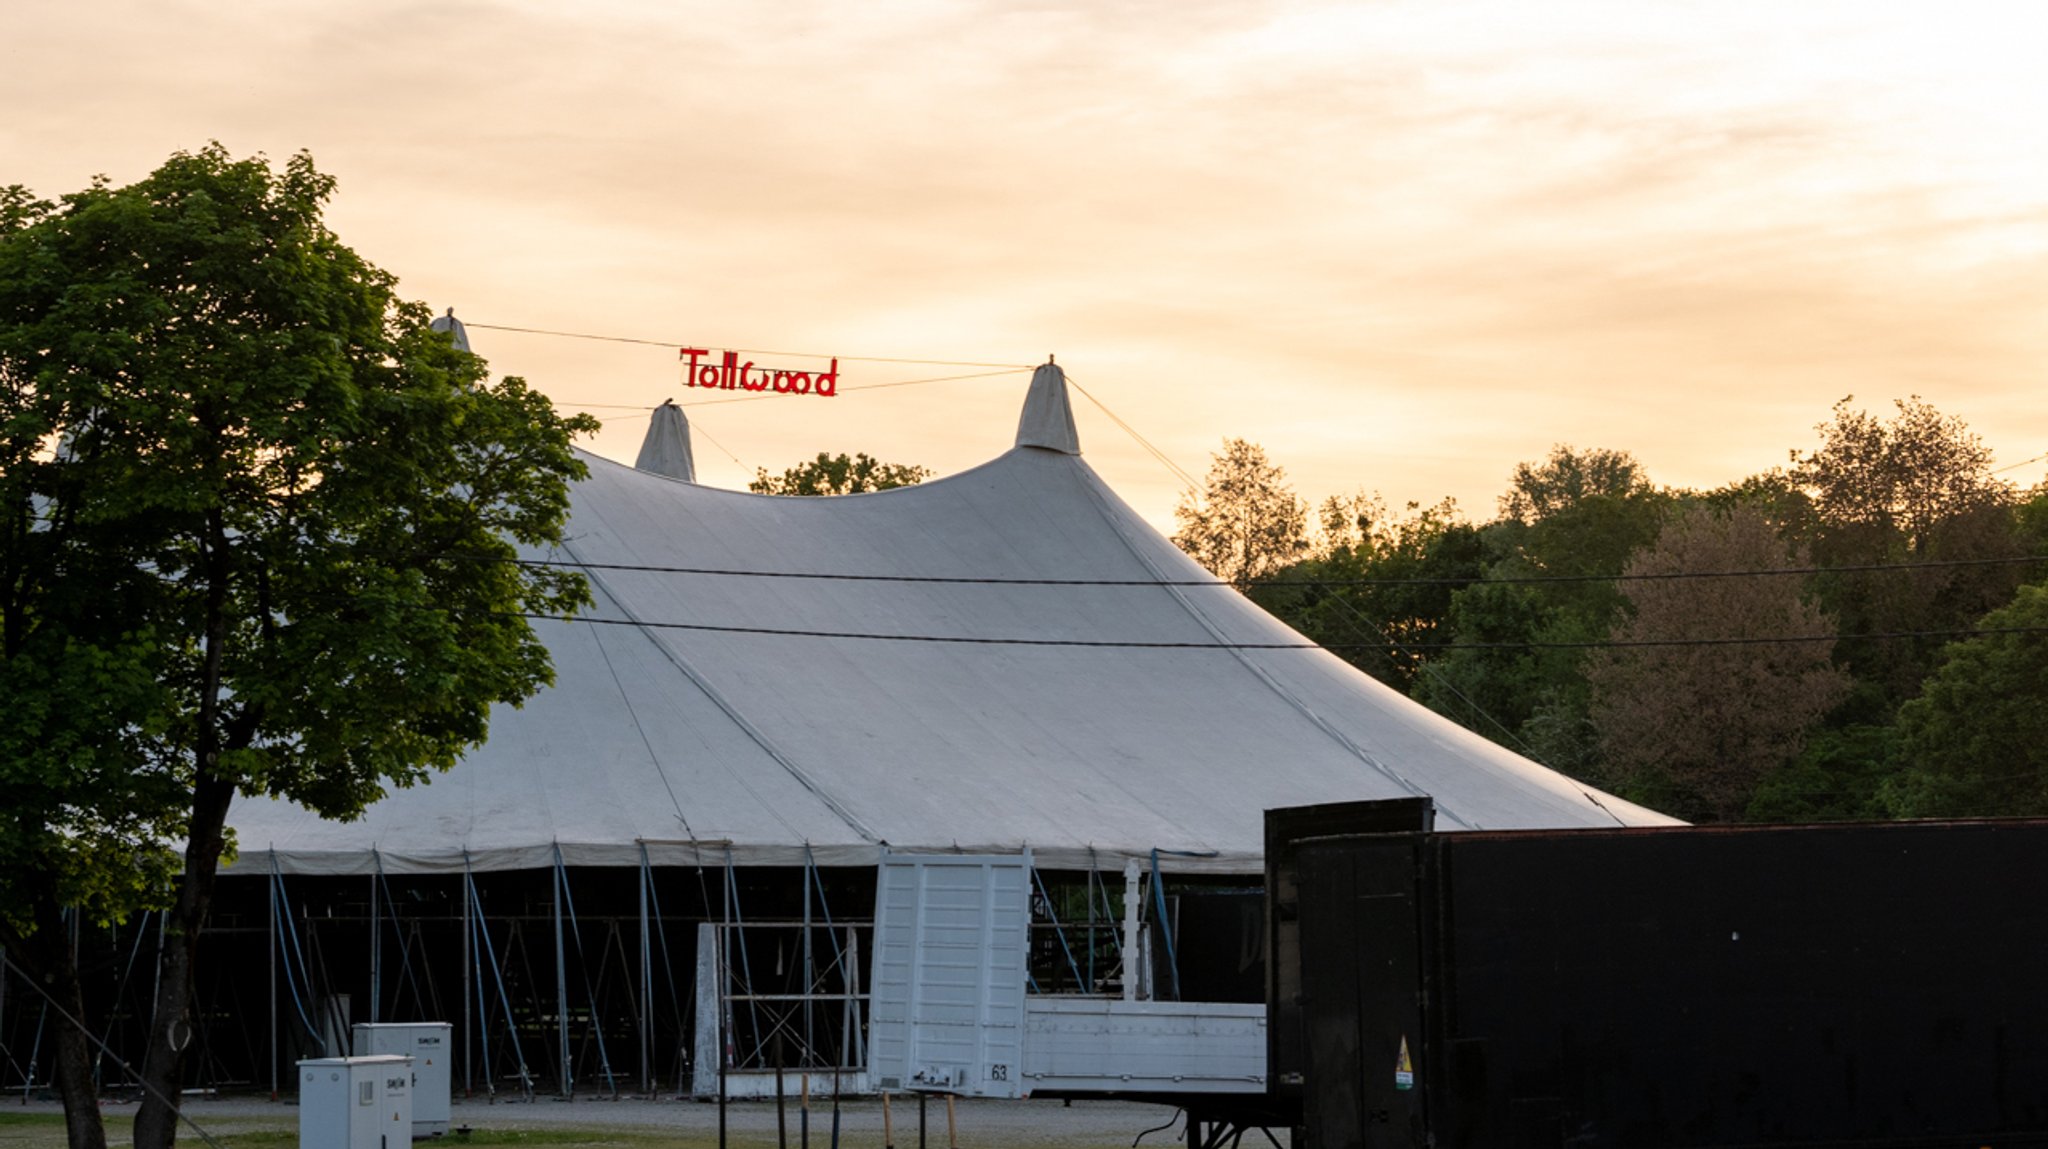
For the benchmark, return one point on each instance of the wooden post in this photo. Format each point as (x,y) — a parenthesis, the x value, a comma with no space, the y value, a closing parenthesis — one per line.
(952,1130)
(888,1125)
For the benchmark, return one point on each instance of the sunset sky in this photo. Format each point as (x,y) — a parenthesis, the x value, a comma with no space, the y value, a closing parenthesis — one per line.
(1401,245)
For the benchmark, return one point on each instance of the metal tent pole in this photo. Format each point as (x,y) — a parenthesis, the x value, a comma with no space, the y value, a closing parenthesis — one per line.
(847,971)
(376,940)
(275,945)
(35,1054)
(860,1045)
(718,1000)
(646,981)
(596,1026)
(810,974)
(1131,904)
(468,1061)
(561,978)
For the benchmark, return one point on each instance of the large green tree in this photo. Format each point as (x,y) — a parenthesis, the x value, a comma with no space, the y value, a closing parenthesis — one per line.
(260,531)
(840,474)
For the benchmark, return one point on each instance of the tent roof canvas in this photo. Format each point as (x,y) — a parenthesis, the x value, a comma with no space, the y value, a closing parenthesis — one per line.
(779,734)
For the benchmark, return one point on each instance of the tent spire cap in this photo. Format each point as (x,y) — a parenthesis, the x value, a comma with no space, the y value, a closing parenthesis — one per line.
(666,449)
(451,327)
(1048,417)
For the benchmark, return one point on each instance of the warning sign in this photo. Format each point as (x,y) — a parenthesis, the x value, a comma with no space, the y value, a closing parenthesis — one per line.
(1404,1069)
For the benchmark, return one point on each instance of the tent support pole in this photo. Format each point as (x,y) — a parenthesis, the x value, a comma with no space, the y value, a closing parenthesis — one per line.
(273,946)
(468,1060)
(810,1050)
(561,979)
(847,974)
(376,941)
(646,982)
(1132,902)
(1165,924)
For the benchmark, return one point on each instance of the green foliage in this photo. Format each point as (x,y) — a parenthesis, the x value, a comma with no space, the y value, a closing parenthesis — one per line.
(1510,672)
(90,807)
(830,474)
(1838,777)
(1567,479)
(1917,487)
(1246,522)
(259,523)
(1380,579)
(1975,742)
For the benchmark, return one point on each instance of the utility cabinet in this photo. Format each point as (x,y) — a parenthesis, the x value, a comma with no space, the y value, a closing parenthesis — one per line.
(428,1043)
(355,1102)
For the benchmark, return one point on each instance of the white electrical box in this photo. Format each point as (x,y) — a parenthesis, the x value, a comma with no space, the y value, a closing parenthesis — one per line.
(430,1045)
(355,1102)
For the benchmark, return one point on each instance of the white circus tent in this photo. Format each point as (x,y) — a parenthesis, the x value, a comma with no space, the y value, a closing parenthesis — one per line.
(1007,657)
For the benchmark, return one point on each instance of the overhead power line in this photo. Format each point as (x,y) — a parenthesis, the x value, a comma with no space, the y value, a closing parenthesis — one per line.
(1519,580)
(1136,644)
(674,343)
(858,387)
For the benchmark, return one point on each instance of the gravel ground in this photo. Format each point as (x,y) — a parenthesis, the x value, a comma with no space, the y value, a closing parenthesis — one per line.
(982,1124)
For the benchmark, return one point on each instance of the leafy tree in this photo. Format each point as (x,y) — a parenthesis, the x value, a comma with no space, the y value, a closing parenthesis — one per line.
(1915,488)
(1694,728)
(1511,671)
(259,539)
(838,475)
(1899,479)
(1839,776)
(1567,479)
(1975,742)
(1379,578)
(1247,522)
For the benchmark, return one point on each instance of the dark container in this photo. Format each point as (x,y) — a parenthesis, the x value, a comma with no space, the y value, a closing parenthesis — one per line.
(1868,984)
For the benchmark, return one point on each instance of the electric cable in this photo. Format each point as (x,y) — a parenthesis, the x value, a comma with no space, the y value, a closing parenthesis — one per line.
(50,1002)
(670,343)
(1510,580)
(857,387)
(1138,644)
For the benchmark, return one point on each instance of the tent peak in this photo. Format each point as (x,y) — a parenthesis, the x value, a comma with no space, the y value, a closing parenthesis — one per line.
(451,327)
(1048,418)
(666,449)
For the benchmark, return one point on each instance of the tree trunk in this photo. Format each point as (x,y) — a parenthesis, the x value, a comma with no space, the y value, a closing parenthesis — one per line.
(170,1030)
(57,970)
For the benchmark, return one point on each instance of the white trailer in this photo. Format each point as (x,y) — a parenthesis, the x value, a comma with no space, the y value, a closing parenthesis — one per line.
(950,1011)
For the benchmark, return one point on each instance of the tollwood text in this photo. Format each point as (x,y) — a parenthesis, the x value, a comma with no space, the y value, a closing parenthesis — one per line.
(729,374)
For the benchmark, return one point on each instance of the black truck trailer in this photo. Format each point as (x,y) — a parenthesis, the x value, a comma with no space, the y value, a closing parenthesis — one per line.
(1865,984)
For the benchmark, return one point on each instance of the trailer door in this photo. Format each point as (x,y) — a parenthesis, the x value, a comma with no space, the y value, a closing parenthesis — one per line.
(1361,986)
(947,1007)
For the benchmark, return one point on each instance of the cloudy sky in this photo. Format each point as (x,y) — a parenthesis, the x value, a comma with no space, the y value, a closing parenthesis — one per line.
(1401,245)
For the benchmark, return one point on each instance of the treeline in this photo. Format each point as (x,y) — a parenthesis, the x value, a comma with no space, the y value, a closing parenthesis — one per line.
(1860,634)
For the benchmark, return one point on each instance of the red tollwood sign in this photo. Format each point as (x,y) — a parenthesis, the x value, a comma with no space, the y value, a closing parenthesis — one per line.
(729,374)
